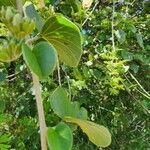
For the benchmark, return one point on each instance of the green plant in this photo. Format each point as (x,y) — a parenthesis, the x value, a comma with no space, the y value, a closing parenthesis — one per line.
(43,44)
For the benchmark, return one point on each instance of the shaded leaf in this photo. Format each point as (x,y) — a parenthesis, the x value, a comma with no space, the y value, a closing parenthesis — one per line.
(2,106)
(46,57)
(126,55)
(32,14)
(132,28)
(31,60)
(60,137)
(121,36)
(2,76)
(140,40)
(65,37)
(41,60)
(134,67)
(62,106)
(146,5)
(97,134)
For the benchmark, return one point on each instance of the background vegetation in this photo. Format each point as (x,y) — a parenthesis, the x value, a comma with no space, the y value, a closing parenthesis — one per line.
(112,80)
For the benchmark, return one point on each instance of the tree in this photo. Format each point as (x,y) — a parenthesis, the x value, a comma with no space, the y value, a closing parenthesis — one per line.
(111,80)
(43,43)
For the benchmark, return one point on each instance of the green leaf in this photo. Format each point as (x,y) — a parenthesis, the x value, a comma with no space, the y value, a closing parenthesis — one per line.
(132,28)
(60,137)
(2,106)
(5,138)
(31,60)
(134,67)
(65,37)
(41,60)
(7,2)
(3,118)
(140,40)
(32,14)
(2,76)
(146,5)
(46,57)
(62,106)
(127,55)
(81,113)
(97,134)
(121,36)
(5,146)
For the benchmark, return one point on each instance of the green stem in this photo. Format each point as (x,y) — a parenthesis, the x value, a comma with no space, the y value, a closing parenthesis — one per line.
(58,72)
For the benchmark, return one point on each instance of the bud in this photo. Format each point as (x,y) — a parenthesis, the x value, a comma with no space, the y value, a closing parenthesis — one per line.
(25,25)
(87,3)
(10,52)
(17,20)
(31,27)
(9,14)
(2,11)
(28,26)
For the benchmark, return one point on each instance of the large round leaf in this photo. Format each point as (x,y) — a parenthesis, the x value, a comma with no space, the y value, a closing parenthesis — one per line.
(41,60)
(62,106)
(60,137)
(65,37)
(97,134)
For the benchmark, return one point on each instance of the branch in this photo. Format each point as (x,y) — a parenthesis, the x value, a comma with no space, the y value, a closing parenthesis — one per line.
(37,91)
(19,6)
(40,111)
(90,13)
(58,72)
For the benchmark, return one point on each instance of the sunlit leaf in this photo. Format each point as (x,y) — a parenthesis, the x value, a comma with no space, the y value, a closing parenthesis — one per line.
(65,37)
(97,134)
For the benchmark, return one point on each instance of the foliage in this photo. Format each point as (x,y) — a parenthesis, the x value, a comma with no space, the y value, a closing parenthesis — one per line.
(111,86)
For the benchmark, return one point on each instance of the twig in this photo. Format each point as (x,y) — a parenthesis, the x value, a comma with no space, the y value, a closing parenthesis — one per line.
(90,13)
(31,40)
(112,25)
(58,72)
(139,84)
(69,87)
(127,89)
(19,6)
(136,88)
